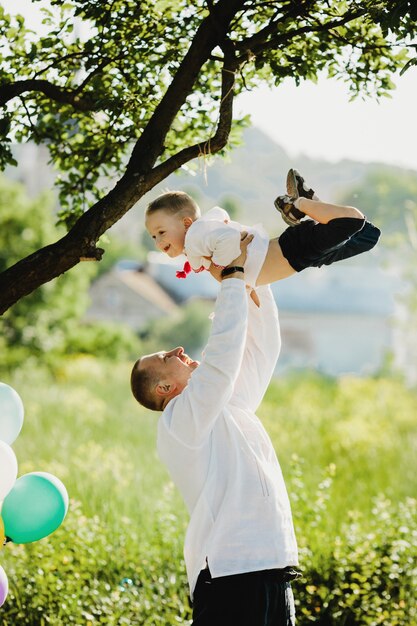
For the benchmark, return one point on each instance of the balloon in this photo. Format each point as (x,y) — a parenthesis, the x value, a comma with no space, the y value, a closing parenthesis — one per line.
(8,469)
(2,537)
(4,586)
(34,508)
(11,413)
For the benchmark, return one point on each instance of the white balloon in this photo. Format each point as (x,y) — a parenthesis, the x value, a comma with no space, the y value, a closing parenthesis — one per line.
(8,469)
(11,413)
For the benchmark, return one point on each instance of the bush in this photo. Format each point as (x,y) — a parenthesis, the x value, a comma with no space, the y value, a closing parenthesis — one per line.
(39,321)
(84,574)
(103,339)
(190,329)
(365,576)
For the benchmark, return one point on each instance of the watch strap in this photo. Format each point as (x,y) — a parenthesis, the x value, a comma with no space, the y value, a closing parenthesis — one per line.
(227,271)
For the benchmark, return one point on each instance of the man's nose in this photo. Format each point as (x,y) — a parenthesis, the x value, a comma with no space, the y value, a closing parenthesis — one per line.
(176,351)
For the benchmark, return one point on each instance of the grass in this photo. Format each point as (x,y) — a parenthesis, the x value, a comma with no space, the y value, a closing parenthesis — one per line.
(343,445)
(82,424)
(364,429)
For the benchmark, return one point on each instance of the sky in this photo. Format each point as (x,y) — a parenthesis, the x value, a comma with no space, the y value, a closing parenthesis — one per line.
(319,121)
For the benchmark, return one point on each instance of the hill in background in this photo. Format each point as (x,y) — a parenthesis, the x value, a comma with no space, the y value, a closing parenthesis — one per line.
(251,176)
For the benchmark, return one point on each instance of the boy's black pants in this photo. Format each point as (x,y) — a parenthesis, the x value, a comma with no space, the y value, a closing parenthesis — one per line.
(255,599)
(310,244)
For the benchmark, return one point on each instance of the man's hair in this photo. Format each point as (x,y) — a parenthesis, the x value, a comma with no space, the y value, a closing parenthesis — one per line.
(142,383)
(175,203)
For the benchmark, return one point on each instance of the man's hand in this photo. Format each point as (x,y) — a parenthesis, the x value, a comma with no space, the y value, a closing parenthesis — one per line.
(235,268)
(245,240)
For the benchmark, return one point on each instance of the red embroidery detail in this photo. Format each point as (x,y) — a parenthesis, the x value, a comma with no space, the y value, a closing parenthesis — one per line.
(186,270)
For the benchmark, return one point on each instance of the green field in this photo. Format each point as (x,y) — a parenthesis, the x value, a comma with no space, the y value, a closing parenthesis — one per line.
(347,448)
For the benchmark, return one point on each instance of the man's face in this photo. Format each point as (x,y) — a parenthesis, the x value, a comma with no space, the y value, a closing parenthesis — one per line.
(167,231)
(172,369)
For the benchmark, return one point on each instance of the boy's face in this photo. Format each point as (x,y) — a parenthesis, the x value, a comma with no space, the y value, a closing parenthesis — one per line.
(168,231)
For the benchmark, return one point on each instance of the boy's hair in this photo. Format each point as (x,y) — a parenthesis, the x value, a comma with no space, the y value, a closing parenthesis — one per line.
(142,382)
(175,203)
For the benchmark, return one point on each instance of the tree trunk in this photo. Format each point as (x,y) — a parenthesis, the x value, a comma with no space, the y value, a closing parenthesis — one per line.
(80,243)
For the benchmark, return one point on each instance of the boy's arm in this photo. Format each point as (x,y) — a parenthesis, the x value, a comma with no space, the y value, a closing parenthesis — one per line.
(211,240)
(225,244)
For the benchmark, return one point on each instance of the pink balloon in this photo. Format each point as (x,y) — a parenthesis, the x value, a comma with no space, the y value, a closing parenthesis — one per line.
(4,586)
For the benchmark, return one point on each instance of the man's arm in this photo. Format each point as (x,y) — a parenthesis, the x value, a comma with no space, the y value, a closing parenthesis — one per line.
(190,416)
(263,344)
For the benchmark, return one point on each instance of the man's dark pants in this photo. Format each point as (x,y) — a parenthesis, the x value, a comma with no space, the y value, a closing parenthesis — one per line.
(255,599)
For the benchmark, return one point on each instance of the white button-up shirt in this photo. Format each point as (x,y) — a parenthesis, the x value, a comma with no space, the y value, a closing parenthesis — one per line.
(219,454)
(215,238)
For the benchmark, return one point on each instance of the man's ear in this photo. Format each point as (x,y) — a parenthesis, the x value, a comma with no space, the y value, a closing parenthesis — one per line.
(187,221)
(164,388)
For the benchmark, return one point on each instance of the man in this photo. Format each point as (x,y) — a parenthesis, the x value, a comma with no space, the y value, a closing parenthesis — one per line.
(240,549)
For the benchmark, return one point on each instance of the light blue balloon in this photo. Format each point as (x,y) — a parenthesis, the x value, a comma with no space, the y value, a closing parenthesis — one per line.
(34,508)
(11,413)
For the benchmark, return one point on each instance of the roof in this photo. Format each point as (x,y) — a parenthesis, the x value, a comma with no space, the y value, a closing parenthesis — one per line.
(147,288)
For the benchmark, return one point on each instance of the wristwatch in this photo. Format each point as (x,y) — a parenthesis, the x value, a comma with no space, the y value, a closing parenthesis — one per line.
(226,271)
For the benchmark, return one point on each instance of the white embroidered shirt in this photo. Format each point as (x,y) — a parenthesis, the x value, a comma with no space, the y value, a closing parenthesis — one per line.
(215,238)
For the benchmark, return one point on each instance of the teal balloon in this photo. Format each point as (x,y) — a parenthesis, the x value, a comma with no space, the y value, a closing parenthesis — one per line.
(34,508)
(11,413)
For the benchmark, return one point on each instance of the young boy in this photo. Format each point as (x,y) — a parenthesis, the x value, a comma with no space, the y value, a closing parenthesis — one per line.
(212,241)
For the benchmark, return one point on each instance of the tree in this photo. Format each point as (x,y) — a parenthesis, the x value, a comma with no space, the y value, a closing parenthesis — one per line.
(40,322)
(151,87)
(387,195)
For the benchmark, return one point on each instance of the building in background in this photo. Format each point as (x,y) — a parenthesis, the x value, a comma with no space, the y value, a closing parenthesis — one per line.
(129,297)
(336,320)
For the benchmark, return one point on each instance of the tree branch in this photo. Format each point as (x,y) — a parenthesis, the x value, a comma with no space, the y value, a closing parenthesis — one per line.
(262,36)
(262,41)
(9,91)
(218,140)
(212,32)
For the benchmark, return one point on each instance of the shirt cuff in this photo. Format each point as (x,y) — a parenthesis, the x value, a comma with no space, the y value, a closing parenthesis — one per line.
(235,284)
